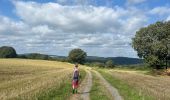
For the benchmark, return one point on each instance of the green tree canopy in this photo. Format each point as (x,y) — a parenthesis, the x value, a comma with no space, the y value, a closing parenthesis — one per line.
(7,52)
(77,56)
(153,43)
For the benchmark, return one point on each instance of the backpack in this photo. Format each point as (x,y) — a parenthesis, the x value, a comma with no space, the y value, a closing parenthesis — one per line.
(76,74)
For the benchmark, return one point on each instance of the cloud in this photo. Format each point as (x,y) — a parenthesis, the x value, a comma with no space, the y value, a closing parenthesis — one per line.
(168,18)
(107,3)
(9,27)
(77,19)
(160,10)
(58,28)
(42,29)
(135,1)
(75,2)
(80,19)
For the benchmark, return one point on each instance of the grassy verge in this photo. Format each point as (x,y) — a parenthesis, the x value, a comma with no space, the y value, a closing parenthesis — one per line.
(127,91)
(140,67)
(98,92)
(61,93)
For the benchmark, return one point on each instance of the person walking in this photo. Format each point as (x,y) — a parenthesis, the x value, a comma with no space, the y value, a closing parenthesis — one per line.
(75,81)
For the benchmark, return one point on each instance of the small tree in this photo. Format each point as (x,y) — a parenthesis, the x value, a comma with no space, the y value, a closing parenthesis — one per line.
(77,56)
(7,52)
(110,64)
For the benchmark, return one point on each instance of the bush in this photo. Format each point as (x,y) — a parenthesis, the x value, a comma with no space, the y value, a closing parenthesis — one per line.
(110,64)
(7,52)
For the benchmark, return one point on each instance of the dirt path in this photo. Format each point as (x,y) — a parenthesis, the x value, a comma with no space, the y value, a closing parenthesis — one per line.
(84,89)
(113,91)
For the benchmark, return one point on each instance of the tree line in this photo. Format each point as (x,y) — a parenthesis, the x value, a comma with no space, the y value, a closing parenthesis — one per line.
(75,56)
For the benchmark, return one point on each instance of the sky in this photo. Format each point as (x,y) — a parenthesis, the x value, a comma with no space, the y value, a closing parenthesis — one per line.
(99,27)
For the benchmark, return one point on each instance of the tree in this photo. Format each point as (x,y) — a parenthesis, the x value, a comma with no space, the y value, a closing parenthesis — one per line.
(7,52)
(152,43)
(110,64)
(77,56)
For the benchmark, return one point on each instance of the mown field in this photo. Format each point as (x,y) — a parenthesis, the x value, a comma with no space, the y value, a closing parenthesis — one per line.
(34,79)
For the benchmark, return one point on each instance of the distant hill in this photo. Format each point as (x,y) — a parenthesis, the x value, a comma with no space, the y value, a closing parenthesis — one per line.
(56,56)
(126,60)
(116,60)
(89,59)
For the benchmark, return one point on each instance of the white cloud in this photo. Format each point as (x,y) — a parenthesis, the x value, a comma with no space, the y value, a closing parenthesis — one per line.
(81,19)
(160,10)
(168,18)
(42,29)
(58,28)
(77,19)
(10,27)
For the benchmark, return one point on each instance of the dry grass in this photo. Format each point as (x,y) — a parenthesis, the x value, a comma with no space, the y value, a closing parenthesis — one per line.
(24,79)
(156,86)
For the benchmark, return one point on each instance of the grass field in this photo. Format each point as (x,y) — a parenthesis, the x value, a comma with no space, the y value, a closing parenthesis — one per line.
(156,86)
(127,91)
(34,79)
(136,85)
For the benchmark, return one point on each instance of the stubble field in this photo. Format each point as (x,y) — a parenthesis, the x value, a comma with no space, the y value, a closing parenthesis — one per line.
(32,79)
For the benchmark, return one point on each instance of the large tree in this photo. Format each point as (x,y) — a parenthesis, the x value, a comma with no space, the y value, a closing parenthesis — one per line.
(77,56)
(153,44)
(7,52)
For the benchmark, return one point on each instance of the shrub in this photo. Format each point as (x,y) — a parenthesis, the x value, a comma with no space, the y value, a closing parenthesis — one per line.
(110,64)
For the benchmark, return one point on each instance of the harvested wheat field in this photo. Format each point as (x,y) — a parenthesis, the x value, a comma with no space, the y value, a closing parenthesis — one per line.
(31,79)
(156,86)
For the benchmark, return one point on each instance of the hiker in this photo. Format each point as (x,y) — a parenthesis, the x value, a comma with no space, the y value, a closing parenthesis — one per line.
(76,75)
